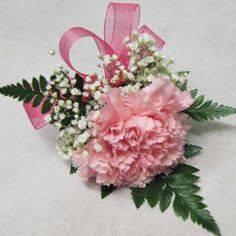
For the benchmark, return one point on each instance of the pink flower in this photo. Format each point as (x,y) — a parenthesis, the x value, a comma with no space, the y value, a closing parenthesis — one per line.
(140,135)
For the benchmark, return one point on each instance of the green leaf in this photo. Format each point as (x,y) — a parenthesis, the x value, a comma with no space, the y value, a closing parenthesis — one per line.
(182,178)
(43,83)
(24,92)
(82,106)
(65,122)
(166,197)
(183,73)
(35,85)
(194,93)
(138,196)
(204,218)
(183,87)
(186,201)
(26,84)
(79,82)
(37,100)
(182,184)
(17,91)
(73,169)
(191,150)
(180,209)
(106,190)
(183,168)
(29,97)
(153,191)
(46,106)
(202,110)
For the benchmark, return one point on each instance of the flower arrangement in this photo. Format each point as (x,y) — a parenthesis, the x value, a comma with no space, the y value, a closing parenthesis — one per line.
(127,127)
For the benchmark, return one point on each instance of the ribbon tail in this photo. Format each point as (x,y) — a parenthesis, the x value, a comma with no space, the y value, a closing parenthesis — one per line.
(35,114)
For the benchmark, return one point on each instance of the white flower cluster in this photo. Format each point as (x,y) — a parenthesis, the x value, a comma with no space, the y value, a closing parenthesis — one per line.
(65,96)
(145,60)
(73,138)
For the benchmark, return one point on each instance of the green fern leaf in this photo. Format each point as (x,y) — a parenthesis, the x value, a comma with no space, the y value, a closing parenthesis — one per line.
(35,85)
(25,92)
(138,195)
(37,100)
(26,84)
(193,93)
(166,197)
(29,97)
(183,87)
(73,169)
(153,191)
(181,184)
(46,106)
(106,190)
(191,150)
(207,110)
(43,83)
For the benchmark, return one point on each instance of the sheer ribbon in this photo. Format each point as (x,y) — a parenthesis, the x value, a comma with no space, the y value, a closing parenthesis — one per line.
(120,20)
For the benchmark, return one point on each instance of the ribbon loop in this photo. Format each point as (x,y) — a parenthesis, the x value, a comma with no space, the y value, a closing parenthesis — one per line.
(74,34)
(121,19)
(159,42)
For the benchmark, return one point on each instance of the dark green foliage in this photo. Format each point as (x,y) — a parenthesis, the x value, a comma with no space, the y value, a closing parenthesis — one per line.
(27,93)
(106,190)
(202,110)
(154,190)
(80,85)
(38,99)
(79,82)
(191,150)
(181,186)
(43,83)
(194,93)
(183,73)
(73,169)
(165,199)
(35,85)
(46,106)
(138,195)
(183,86)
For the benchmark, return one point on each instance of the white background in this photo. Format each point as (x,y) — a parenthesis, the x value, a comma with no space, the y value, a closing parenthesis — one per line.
(37,195)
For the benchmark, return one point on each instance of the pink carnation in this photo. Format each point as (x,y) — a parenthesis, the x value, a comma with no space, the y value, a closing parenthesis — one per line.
(140,135)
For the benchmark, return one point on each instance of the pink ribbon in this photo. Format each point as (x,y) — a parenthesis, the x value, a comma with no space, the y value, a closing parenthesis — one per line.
(120,20)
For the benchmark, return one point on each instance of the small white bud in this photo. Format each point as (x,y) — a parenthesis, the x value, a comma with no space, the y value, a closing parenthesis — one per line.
(54,95)
(74,122)
(126,40)
(97,95)
(48,87)
(76,104)
(88,79)
(85,94)
(64,91)
(75,110)
(47,118)
(61,103)
(97,147)
(114,57)
(68,102)
(73,81)
(75,91)
(62,116)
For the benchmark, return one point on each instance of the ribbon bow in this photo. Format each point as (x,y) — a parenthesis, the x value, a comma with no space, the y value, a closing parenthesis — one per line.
(120,20)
